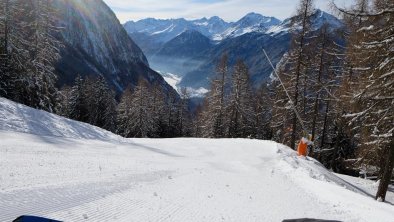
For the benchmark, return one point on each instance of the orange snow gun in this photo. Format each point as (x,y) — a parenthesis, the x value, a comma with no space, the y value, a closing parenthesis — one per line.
(302,147)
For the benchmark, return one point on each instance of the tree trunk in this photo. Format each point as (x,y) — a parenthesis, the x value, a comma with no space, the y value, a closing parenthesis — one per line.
(323,137)
(315,114)
(7,12)
(298,73)
(388,171)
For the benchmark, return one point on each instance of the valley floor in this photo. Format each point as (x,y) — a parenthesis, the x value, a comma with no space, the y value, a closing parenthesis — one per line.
(78,177)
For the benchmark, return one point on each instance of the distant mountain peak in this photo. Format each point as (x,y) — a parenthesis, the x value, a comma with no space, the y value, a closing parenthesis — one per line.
(214,27)
(317,19)
(215,18)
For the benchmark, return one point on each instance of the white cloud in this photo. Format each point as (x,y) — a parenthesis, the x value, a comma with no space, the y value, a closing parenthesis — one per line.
(230,10)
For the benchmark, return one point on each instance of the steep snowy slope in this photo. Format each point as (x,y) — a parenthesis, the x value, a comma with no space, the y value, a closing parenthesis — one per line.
(108,178)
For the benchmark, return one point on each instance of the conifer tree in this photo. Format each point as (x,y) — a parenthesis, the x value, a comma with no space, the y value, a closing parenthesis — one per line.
(102,108)
(263,113)
(124,120)
(184,118)
(14,49)
(159,110)
(28,52)
(78,101)
(372,97)
(240,108)
(44,52)
(214,119)
(142,123)
(294,70)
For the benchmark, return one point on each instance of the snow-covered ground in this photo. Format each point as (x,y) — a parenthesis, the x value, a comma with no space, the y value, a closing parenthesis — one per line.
(66,170)
(173,80)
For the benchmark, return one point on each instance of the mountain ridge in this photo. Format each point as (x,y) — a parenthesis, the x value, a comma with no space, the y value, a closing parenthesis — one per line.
(96,44)
(243,39)
(214,27)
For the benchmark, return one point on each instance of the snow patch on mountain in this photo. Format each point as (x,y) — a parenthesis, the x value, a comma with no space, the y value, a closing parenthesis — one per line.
(171,79)
(174,80)
(252,22)
(318,19)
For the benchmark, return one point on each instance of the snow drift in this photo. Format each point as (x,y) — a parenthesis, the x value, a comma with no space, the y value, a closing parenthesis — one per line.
(20,118)
(62,169)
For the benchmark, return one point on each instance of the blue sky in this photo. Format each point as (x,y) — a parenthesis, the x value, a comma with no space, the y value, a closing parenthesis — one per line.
(230,10)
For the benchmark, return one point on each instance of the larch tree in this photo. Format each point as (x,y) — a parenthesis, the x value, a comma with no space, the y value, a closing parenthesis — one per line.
(78,108)
(184,118)
(124,121)
(158,108)
(373,95)
(102,104)
(305,11)
(45,51)
(214,119)
(142,123)
(263,112)
(14,49)
(294,69)
(28,52)
(240,110)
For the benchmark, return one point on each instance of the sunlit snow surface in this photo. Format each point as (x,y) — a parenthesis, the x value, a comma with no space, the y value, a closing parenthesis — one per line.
(66,170)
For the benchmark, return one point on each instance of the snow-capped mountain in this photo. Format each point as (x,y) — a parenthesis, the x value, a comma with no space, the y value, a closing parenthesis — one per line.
(165,30)
(151,34)
(275,40)
(211,27)
(214,28)
(162,30)
(252,22)
(97,44)
(318,19)
(244,39)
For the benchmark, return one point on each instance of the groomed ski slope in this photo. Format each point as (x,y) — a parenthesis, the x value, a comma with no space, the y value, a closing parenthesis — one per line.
(66,170)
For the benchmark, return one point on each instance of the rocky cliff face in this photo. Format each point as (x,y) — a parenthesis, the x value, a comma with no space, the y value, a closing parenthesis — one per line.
(95,43)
